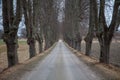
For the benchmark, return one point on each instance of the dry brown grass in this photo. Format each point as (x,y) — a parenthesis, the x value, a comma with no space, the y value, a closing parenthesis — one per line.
(2,48)
(17,71)
(22,54)
(114,51)
(107,72)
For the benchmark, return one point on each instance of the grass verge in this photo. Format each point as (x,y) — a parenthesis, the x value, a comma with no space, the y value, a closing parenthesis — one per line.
(107,72)
(16,72)
(3,46)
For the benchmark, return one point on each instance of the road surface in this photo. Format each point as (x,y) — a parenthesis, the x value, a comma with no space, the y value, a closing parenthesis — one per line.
(61,64)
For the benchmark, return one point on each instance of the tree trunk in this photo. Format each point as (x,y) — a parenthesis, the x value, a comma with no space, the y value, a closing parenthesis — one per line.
(70,43)
(76,45)
(104,52)
(88,48)
(11,22)
(105,33)
(12,51)
(79,39)
(46,44)
(40,40)
(104,41)
(90,35)
(32,50)
(79,46)
(88,41)
(40,47)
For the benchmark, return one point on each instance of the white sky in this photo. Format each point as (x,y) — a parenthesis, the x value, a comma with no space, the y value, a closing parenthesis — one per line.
(108,14)
(109,11)
(61,12)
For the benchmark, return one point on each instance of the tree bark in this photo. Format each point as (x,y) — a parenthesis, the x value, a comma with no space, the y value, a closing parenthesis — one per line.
(88,39)
(79,46)
(10,23)
(105,33)
(12,54)
(104,48)
(88,47)
(79,39)
(32,49)
(104,53)
(40,41)
(28,14)
(40,47)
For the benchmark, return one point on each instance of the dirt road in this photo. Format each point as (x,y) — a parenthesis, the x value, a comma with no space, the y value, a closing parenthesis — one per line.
(61,64)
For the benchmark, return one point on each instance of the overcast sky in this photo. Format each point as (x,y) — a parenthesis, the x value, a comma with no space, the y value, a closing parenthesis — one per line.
(61,11)
(108,14)
(109,11)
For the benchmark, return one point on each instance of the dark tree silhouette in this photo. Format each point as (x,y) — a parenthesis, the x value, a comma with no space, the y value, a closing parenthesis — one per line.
(10,23)
(104,32)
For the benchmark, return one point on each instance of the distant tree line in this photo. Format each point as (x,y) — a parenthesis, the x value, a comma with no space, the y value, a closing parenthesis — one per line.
(40,22)
(41,25)
(93,11)
(75,17)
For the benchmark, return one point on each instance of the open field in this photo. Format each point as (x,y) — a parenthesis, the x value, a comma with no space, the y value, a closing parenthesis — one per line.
(1,42)
(22,53)
(19,70)
(114,51)
(3,47)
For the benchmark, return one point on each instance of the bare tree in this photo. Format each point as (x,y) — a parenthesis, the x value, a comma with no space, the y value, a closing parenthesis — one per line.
(88,39)
(30,22)
(49,22)
(104,32)
(10,23)
(75,14)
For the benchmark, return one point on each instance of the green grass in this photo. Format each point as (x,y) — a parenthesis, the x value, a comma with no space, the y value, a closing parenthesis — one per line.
(3,47)
(1,42)
(19,42)
(22,42)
